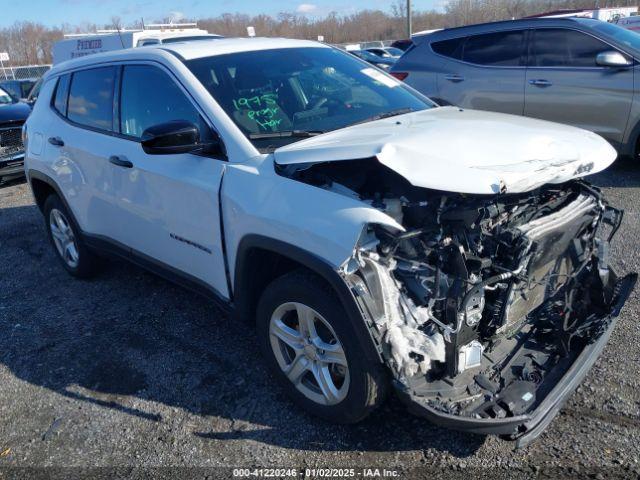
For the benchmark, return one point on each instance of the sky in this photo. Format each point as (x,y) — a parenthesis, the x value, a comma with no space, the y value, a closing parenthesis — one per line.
(57,12)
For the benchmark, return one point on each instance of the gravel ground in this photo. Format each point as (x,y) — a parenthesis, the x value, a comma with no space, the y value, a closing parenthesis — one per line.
(129,371)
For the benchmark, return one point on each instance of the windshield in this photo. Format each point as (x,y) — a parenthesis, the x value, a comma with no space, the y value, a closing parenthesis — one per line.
(5,97)
(622,35)
(300,90)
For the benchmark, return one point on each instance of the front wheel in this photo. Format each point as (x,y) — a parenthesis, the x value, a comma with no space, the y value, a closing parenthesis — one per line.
(311,348)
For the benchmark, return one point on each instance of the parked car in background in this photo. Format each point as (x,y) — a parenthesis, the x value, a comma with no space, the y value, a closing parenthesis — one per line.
(402,44)
(33,94)
(377,240)
(18,88)
(373,59)
(13,114)
(386,52)
(630,23)
(569,70)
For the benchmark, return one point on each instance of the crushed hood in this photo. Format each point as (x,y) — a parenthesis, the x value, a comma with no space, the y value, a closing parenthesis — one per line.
(463,151)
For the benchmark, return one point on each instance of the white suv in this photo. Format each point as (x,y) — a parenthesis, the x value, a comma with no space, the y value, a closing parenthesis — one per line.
(376,238)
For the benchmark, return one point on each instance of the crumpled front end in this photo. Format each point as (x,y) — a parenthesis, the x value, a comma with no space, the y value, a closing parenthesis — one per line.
(489,310)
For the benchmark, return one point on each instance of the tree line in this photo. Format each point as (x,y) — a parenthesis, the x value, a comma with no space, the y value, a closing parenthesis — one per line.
(30,43)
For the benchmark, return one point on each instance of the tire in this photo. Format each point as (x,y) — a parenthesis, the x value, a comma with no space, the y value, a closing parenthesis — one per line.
(352,385)
(66,240)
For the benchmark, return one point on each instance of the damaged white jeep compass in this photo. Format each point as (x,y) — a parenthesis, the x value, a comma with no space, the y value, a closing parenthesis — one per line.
(378,240)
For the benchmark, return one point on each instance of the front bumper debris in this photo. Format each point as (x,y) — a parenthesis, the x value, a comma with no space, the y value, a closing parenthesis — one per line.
(526,428)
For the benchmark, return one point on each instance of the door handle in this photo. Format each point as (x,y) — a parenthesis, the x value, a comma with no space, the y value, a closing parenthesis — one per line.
(57,141)
(120,161)
(540,82)
(454,77)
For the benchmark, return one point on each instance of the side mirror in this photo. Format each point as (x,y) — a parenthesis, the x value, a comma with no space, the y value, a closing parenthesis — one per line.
(176,136)
(612,58)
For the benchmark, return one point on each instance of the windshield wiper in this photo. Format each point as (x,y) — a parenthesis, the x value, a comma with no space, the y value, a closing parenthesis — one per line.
(380,116)
(286,134)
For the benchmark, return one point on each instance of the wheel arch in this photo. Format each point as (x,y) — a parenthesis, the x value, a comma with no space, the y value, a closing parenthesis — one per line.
(260,260)
(632,146)
(42,186)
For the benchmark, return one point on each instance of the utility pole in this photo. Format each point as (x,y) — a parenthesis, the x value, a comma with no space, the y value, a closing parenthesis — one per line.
(408,18)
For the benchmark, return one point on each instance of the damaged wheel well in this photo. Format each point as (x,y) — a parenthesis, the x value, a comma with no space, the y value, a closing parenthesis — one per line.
(260,260)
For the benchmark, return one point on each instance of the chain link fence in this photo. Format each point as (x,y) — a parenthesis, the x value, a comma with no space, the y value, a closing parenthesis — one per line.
(27,72)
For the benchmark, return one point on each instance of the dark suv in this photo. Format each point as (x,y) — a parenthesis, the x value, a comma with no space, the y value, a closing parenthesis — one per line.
(570,70)
(12,116)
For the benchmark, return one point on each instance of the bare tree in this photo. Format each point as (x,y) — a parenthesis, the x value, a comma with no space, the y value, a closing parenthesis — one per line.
(116,23)
(399,8)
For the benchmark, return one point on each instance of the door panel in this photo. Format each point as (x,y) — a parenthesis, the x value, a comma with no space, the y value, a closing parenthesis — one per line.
(565,85)
(78,148)
(486,73)
(168,204)
(168,210)
(83,169)
(482,88)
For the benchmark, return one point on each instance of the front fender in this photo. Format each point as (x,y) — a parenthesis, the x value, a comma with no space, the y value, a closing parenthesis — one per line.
(258,201)
(313,227)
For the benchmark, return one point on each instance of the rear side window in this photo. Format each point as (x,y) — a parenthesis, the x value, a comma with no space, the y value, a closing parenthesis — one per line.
(502,49)
(61,95)
(449,48)
(91,98)
(150,97)
(557,47)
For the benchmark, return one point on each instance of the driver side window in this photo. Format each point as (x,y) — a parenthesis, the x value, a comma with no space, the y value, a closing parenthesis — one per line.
(559,47)
(149,97)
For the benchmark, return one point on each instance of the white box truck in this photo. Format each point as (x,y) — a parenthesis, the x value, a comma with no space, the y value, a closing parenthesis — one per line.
(80,44)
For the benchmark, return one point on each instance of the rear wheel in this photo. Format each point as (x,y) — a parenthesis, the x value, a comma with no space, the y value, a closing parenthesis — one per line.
(311,348)
(76,258)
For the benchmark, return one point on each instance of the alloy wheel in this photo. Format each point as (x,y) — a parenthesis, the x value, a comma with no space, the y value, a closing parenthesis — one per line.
(64,238)
(309,353)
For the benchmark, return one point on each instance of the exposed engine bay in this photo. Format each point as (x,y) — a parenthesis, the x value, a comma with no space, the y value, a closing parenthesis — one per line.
(484,301)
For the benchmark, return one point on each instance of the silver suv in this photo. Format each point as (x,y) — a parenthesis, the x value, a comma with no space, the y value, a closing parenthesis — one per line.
(569,70)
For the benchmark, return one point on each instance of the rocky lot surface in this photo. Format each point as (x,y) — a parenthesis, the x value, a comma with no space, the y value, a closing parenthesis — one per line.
(130,371)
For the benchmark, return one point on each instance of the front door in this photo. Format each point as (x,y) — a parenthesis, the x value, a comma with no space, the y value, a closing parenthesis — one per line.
(565,85)
(168,203)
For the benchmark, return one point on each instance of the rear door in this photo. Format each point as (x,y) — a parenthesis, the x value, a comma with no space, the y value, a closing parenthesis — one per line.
(564,83)
(78,142)
(484,72)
